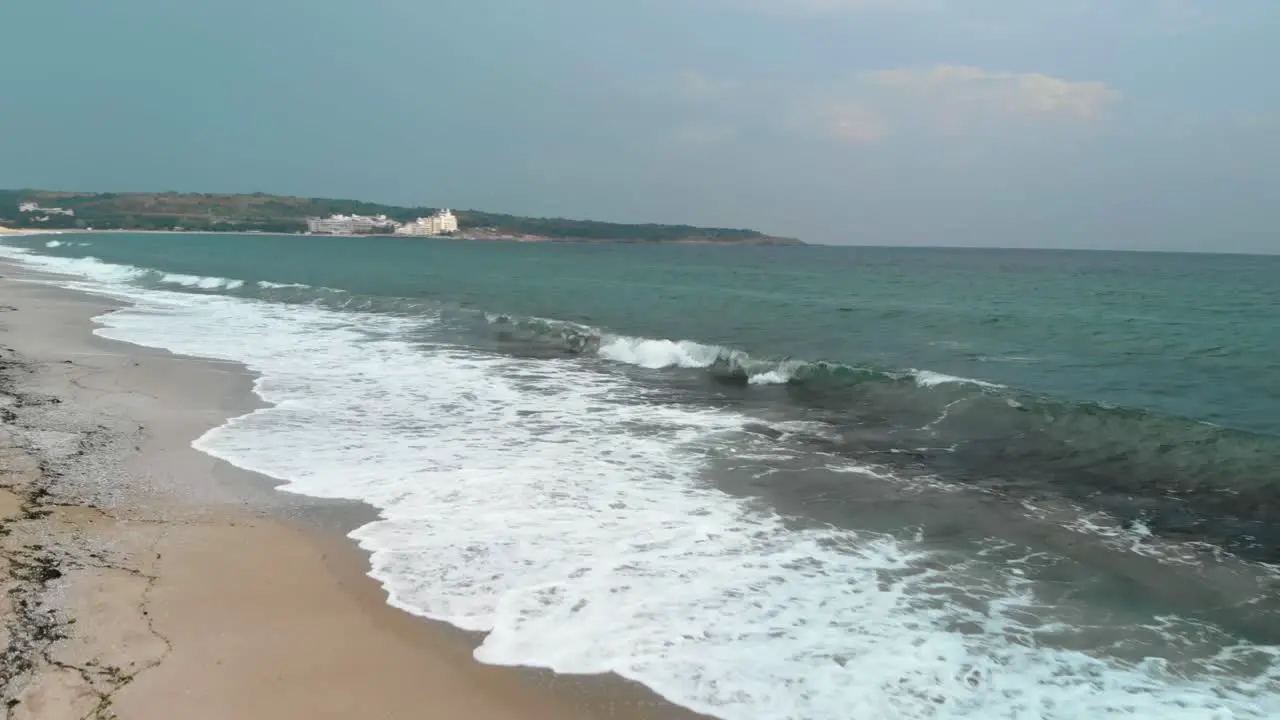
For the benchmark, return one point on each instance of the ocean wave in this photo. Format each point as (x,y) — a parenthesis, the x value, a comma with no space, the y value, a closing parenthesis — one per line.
(656,354)
(928,378)
(108,273)
(53,244)
(562,512)
(726,364)
(1182,478)
(201,282)
(268,285)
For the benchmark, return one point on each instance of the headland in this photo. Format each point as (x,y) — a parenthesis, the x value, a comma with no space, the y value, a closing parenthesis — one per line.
(44,210)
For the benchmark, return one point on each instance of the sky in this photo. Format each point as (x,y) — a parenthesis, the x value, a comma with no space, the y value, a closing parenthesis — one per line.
(1123,124)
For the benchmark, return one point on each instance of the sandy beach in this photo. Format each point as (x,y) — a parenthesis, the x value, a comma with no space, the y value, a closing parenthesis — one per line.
(143,579)
(10,231)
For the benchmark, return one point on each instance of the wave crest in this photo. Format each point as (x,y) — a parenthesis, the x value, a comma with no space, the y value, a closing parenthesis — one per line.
(655,354)
(724,364)
(1177,476)
(201,282)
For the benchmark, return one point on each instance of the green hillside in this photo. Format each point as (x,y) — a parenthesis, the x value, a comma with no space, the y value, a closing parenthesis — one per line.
(276,213)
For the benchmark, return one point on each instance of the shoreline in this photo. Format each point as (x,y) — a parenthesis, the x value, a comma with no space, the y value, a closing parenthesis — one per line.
(11,232)
(475,236)
(148,579)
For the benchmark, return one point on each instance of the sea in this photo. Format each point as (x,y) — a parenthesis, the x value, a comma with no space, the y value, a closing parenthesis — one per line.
(801,483)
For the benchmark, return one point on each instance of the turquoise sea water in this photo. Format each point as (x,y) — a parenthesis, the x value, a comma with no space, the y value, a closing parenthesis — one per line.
(830,482)
(1190,335)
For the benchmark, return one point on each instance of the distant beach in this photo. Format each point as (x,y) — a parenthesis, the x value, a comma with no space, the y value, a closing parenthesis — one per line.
(11,231)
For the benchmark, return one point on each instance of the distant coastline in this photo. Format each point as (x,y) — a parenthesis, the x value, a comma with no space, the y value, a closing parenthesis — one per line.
(27,211)
(27,232)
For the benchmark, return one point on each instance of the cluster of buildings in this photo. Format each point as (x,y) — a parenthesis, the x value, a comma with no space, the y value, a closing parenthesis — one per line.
(350,225)
(44,212)
(439,223)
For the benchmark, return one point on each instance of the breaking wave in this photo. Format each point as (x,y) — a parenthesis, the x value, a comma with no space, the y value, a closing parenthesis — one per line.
(1177,477)
(1180,478)
(726,364)
(201,282)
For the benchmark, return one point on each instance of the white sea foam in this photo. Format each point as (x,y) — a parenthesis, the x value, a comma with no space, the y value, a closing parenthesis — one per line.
(53,244)
(654,354)
(1136,537)
(268,285)
(563,512)
(771,377)
(201,282)
(657,353)
(104,277)
(928,378)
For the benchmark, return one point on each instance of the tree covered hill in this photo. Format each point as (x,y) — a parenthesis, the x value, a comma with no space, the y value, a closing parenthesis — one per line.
(276,213)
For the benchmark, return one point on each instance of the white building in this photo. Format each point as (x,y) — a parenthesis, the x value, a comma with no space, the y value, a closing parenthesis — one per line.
(30,207)
(440,222)
(350,224)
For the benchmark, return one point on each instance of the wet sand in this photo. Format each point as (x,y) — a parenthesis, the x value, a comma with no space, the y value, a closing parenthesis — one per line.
(143,579)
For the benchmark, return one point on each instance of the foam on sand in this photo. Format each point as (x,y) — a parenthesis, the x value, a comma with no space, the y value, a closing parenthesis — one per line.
(564,512)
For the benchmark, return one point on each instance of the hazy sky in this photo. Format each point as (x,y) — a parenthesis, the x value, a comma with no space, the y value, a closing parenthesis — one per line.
(1079,123)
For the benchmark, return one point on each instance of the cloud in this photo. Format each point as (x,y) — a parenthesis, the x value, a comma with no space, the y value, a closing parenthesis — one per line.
(952,100)
(694,86)
(959,90)
(874,105)
(696,133)
(853,122)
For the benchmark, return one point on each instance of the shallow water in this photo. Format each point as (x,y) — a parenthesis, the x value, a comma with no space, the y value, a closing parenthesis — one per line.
(773,482)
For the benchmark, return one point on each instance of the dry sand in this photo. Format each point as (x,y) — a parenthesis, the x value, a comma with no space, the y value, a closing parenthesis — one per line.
(145,580)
